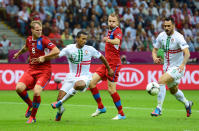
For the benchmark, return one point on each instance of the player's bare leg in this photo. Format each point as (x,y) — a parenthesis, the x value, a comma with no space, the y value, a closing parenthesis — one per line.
(163,80)
(79,85)
(180,97)
(21,91)
(95,92)
(36,102)
(116,99)
(61,108)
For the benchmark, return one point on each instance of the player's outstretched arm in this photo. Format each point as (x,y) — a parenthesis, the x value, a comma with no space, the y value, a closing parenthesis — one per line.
(23,50)
(154,56)
(52,55)
(110,71)
(186,58)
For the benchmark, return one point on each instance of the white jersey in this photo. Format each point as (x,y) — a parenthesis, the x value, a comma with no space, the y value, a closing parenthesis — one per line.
(173,46)
(79,59)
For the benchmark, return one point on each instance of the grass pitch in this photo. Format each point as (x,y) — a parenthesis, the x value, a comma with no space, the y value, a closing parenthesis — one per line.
(137,107)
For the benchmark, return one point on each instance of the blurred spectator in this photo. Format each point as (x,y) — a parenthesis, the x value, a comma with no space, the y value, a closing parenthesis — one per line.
(191,45)
(138,44)
(98,9)
(153,9)
(23,17)
(131,29)
(76,29)
(163,7)
(12,11)
(48,19)
(134,9)
(128,15)
(196,3)
(5,45)
(187,31)
(65,2)
(66,25)
(195,18)
(109,9)
(71,21)
(66,37)
(60,23)
(3,9)
(84,22)
(42,14)
(49,7)
(46,29)
(196,44)
(124,60)
(127,44)
(55,37)
(158,24)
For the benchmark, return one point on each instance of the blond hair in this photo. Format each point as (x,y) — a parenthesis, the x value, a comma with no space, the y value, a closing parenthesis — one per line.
(115,15)
(33,23)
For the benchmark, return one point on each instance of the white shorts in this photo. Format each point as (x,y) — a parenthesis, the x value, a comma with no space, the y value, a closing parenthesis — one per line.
(69,83)
(176,75)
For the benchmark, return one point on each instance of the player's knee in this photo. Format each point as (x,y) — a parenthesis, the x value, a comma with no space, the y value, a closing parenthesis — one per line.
(79,85)
(20,87)
(92,84)
(111,90)
(37,90)
(161,81)
(173,90)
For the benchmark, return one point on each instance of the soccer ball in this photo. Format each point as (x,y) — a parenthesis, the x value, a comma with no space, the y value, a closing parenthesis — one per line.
(153,88)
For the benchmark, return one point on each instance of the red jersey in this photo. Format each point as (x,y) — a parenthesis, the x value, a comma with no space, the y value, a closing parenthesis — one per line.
(37,48)
(112,52)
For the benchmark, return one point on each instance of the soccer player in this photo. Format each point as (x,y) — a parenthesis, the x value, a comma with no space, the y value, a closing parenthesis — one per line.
(79,58)
(174,46)
(112,54)
(39,71)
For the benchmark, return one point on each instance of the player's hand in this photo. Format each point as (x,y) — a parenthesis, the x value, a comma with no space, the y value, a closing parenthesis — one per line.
(110,72)
(157,60)
(41,59)
(105,39)
(16,55)
(181,68)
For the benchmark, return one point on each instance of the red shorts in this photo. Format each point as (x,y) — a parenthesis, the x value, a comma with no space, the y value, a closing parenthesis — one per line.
(35,77)
(103,72)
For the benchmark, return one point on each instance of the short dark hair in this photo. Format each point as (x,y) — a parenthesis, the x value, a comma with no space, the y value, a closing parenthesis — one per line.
(170,19)
(80,33)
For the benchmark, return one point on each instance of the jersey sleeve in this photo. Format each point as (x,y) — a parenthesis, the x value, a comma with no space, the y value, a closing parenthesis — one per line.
(48,44)
(157,43)
(118,34)
(64,52)
(95,53)
(182,43)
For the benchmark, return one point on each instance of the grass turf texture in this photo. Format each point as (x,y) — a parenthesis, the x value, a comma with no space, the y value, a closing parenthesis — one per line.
(137,107)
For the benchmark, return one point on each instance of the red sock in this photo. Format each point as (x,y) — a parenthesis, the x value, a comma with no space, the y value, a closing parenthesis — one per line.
(97,97)
(36,103)
(117,101)
(25,97)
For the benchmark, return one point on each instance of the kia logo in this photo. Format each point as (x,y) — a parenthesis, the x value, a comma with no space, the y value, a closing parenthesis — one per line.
(129,77)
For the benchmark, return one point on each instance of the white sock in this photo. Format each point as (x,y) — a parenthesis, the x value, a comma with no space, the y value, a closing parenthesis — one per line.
(180,96)
(161,96)
(68,95)
(61,109)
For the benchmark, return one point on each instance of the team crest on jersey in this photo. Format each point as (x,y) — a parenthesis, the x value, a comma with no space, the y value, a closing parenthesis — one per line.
(86,52)
(39,42)
(172,40)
